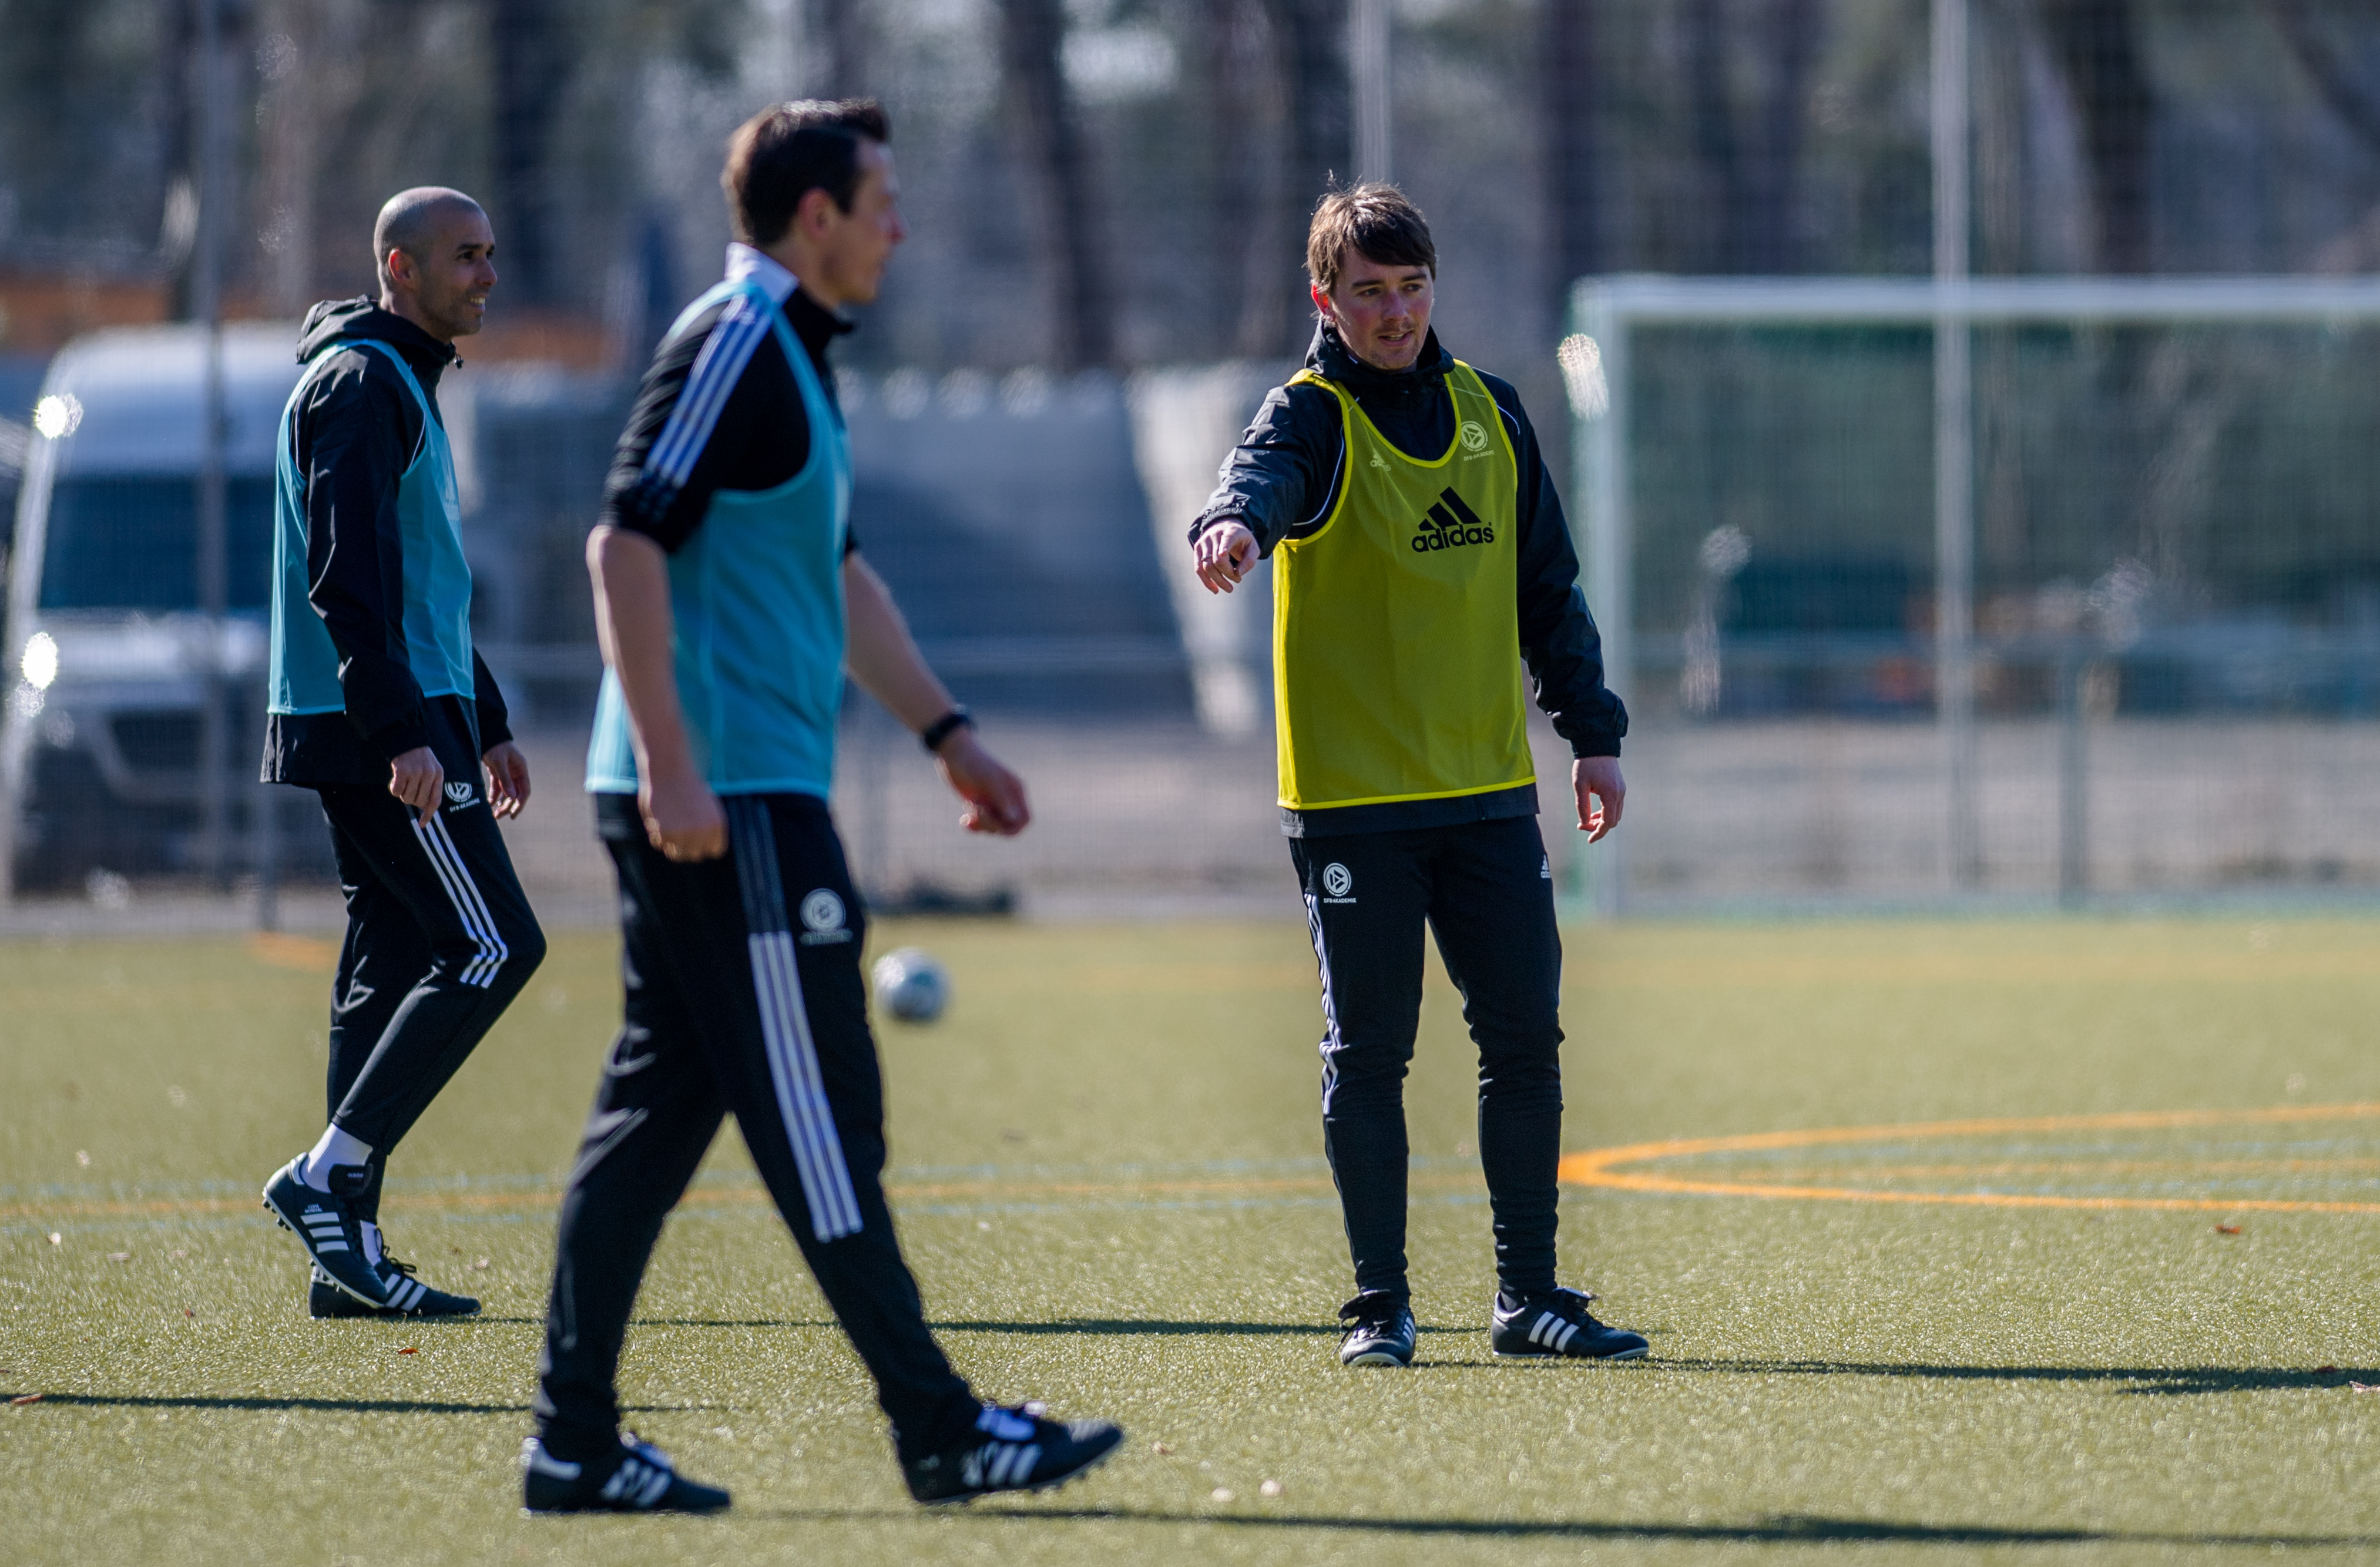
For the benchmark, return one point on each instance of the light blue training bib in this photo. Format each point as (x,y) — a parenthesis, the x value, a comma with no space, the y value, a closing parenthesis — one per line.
(437,608)
(756,594)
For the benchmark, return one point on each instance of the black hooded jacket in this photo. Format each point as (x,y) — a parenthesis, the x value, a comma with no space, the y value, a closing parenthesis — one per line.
(356,434)
(1283,478)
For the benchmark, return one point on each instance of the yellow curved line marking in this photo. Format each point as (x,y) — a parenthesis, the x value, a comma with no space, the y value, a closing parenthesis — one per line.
(1601,1167)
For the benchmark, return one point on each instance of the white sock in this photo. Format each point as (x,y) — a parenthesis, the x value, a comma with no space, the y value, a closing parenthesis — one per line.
(336,1148)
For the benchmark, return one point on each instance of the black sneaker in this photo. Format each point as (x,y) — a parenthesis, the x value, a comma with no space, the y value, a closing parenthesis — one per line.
(1379,1331)
(1014,1450)
(327,1226)
(407,1297)
(638,1478)
(1559,1324)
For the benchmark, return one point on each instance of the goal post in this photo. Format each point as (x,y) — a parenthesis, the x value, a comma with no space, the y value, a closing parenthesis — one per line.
(2110,425)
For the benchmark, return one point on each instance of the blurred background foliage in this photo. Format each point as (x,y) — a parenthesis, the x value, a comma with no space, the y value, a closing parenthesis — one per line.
(1113,183)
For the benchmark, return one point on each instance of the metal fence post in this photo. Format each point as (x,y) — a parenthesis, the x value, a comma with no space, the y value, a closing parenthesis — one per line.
(211,564)
(1600,444)
(1954,452)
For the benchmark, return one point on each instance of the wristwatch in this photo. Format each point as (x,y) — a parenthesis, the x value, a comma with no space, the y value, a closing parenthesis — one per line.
(941,729)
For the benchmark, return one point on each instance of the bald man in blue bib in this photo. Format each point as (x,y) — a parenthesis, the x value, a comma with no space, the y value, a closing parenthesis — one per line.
(380,705)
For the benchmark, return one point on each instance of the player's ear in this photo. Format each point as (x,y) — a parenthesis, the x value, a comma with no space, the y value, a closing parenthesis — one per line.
(812,211)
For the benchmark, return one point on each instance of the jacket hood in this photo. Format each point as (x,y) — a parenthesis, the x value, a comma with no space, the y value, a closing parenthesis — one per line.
(359,318)
(1329,359)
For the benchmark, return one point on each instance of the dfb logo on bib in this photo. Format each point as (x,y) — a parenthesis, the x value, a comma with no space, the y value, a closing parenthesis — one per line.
(822,918)
(1475,439)
(1338,882)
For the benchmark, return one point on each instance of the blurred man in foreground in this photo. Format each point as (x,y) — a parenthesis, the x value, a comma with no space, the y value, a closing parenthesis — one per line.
(380,705)
(1421,559)
(730,600)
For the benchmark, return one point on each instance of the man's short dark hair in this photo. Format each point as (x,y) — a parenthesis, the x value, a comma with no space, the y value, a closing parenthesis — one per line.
(788,150)
(1375,219)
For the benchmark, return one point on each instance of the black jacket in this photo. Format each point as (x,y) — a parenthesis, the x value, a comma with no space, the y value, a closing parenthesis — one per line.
(1283,478)
(356,434)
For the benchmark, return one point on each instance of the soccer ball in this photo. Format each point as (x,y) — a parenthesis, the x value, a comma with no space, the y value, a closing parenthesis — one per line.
(911,985)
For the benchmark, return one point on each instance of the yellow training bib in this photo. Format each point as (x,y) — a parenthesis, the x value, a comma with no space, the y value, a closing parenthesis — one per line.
(1396,644)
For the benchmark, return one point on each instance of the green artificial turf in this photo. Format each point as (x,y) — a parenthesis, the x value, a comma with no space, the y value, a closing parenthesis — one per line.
(1109,1181)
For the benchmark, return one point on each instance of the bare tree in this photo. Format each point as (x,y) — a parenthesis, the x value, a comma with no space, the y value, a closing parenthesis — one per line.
(1573,173)
(1032,38)
(1311,36)
(1253,264)
(2348,96)
(530,42)
(1789,42)
(841,26)
(1752,178)
(2098,48)
(288,55)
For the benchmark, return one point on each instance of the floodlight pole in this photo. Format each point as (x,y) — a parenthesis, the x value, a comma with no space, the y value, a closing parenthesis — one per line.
(1954,452)
(1367,83)
(212,569)
(1600,441)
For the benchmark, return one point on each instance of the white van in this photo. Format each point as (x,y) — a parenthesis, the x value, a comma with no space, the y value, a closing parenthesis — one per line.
(103,642)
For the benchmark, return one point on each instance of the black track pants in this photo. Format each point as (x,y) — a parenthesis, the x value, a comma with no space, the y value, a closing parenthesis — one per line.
(440,940)
(1484,889)
(744,996)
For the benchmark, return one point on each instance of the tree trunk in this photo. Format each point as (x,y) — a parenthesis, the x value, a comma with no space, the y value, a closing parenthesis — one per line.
(1775,164)
(1751,179)
(1716,144)
(2097,47)
(528,39)
(1574,174)
(2326,66)
(1032,34)
(291,139)
(840,26)
(1255,266)
(1312,38)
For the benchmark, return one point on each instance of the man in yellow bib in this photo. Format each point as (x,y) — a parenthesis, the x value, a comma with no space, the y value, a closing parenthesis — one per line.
(1420,561)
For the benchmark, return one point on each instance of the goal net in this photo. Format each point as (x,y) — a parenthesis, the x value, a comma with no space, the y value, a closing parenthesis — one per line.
(2015,587)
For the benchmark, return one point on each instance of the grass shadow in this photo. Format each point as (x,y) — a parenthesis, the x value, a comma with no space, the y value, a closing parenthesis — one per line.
(331,1405)
(2154,1380)
(1779,1529)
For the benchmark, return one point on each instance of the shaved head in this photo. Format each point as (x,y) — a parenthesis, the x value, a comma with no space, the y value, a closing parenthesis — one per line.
(437,260)
(412,219)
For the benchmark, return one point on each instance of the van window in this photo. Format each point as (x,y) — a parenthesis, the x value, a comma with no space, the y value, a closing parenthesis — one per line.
(127,544)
